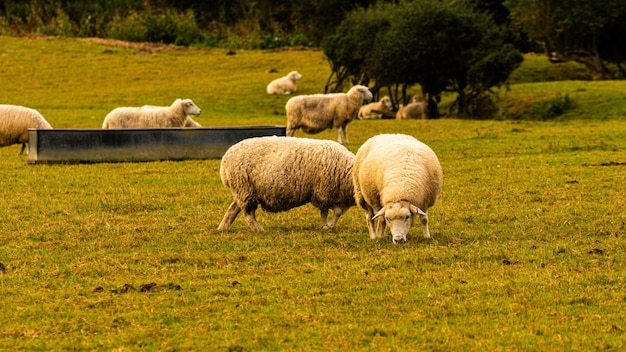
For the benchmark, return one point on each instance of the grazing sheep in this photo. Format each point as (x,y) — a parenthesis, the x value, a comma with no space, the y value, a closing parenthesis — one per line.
(284,85)
(14,124)
(281,173)
(379,109)
(150,116)
(414,110)
(396,177)
(318,112)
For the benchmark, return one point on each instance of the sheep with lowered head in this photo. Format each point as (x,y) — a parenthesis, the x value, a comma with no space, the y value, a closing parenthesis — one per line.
(317,112)
(381,108)
(281,173)
(396,178)
(413,110)
(284,85)
(15,121)
(151,116)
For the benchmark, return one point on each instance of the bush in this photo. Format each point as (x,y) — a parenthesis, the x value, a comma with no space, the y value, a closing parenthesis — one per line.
(548,110)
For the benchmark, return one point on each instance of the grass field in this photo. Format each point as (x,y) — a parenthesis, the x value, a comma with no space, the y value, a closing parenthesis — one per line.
(529,238)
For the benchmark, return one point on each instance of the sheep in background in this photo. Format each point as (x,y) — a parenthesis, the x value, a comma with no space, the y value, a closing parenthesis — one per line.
(318,112)
(281,173)
(14,124)
(189,122)
(381,108)
(414,110)
(284,85)
(396,177)
(150,116)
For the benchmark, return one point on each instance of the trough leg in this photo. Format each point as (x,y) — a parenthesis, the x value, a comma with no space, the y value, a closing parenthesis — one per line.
(229,217)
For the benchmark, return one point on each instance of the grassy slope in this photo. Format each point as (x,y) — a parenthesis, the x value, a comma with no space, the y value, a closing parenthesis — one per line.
(528,250)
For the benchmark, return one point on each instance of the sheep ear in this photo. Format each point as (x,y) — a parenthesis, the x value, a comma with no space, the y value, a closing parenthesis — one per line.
(380,212)
(416,210)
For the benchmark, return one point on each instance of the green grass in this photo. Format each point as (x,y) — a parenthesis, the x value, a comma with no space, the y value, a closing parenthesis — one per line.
(528,249)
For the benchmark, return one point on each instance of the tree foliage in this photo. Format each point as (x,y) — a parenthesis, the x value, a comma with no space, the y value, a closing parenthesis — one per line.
(589,32)
(440,45)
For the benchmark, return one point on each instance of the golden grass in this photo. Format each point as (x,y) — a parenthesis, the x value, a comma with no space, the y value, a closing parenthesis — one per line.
(528,249)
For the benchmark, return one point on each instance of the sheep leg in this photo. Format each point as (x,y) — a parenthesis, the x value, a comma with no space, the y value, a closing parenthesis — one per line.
(369,214)
(290,131)
(324,217)
(24,147)
(337,212)
(229,217)
(251,219)
(344,129)
(424,221)
(381,226)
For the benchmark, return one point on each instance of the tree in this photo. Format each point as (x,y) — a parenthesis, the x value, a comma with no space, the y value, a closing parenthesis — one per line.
(440,45)
(584,31)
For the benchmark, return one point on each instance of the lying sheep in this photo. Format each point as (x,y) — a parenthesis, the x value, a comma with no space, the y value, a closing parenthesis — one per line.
(151,116)
(14,124)
(318,112)
(379,109)
(396,177)
(414,110)
(284,85)
(281,173)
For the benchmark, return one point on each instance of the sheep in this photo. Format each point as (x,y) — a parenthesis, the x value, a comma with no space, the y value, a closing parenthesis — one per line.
(284,85)
(150,116)
(317,112)
(414,110)
(396,177)
(189,122)
(281,173)
(15,121)
(379,109)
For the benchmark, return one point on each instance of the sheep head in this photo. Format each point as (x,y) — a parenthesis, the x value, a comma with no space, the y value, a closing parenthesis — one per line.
(399,216)
(365,93)
(387,102)
(190,108)
(294,75)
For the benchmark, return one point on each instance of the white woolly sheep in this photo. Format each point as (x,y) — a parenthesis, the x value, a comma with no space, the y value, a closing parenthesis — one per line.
(150,116)
(281,173)
(318,112)
(15,121)
(189,122)
(284,85)
(414,110)
(378,109)
(396,177)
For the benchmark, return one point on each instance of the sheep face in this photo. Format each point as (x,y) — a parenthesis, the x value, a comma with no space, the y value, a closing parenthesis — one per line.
(387,102)
(400,217)
(366,95)
(294,75)
(190,108)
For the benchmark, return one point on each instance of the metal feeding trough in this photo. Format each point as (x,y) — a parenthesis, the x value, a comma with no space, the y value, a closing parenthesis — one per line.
(94,145)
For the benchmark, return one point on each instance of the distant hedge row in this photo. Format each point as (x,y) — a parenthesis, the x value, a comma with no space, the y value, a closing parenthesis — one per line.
(261,24)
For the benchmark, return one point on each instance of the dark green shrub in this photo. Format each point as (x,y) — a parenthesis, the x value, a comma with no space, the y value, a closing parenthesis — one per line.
(550,109)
